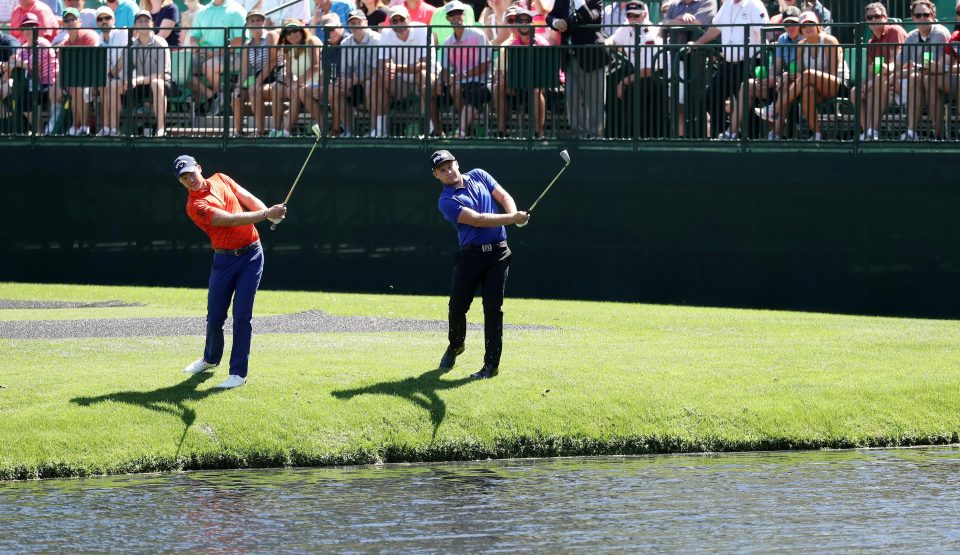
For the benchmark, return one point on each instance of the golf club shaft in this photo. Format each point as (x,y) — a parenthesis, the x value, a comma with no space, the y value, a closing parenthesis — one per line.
(534,205)
(273,226)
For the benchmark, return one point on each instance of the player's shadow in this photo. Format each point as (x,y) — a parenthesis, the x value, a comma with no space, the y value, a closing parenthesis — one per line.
(170,400)
(420,390)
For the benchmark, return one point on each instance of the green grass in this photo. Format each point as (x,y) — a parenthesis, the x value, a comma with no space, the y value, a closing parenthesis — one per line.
(609,378)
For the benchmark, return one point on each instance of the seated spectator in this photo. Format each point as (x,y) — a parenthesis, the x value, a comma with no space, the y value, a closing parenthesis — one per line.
(507,98)
(123,12)
(79,96)
(769,81)
(883,49)
(47,66)
(917,57)
(47,23)
(300,50)
(352,83)
(151,73)
(642,59)
(492,18)
(259,68)
(402,71)
(115,40)
(8,48)
(466,65)
(208,34)
(442,28)
(943,80)
(88,19)
(375,10)
(821,74)
(166,20)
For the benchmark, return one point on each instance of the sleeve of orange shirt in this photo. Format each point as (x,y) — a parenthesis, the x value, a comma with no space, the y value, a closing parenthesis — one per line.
(201,212)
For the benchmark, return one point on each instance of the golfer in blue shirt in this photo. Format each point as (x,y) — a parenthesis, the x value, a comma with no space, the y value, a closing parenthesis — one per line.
(483,259)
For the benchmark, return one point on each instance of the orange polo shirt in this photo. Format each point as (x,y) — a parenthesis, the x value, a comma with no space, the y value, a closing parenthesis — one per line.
(219,195)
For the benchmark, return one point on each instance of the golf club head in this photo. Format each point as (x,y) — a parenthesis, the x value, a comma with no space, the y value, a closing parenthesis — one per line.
(566,157)
(316,130)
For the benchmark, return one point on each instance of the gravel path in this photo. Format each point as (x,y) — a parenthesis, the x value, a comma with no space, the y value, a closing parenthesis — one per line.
(8,303)
(301,322)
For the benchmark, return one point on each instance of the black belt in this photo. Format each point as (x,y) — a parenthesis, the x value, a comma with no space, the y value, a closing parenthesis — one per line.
(241,250)
(485,248)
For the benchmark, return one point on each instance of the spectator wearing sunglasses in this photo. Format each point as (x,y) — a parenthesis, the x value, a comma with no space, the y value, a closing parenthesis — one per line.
(466,64)
(644,54)
(923,49)
(883,48)
(505,97)
(943,80)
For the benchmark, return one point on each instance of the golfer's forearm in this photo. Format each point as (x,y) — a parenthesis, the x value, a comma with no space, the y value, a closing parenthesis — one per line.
(234,220)
(493,220)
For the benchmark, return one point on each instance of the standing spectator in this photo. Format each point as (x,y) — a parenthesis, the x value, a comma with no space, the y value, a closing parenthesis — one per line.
(506,97)
(123,12)
(209,35)
(47,23)
(300,50)
(115,40)
(578,22)
(766,87)
(300,11)
(491,17)
(466,64)
(883,49)
(186,20)
(689,16)
(317,87)
(259,69)
(917,57)
(732,69)
(821,74)
(8,48)
(42,72)
(420,11)
(79,96)
(339,7)
(402,71)
(351,86)
(166,20)
(375,10)
(642,58)
(151,72)
(88,19)
(614,15)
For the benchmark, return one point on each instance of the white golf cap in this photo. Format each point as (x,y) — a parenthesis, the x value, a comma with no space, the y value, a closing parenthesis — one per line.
(400,10)
(454,6)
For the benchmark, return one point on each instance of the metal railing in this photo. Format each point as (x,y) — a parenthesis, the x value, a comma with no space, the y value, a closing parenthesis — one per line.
(627,93)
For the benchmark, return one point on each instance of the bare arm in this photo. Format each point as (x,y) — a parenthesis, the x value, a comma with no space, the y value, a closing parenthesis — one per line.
(505,200)
(247,199)
(708,35)
(471,217)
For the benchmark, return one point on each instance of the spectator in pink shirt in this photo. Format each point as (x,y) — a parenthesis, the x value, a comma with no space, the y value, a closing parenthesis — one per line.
(46,20)
(506,98)
(420,11)
(466,62)
(46,69)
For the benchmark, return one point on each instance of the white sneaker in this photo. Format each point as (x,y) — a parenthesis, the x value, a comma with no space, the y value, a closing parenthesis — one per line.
(232,382)
(283,133)
(73,131)
(816,137)
(85,130)
(199,366)
(373,134)
(872,135)
(765,112)
(771,136)
(908,136)
(160,132)
(106,132)
(727,136)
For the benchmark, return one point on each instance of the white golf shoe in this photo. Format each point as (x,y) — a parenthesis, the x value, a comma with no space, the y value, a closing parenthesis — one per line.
(199,366)
(232,382)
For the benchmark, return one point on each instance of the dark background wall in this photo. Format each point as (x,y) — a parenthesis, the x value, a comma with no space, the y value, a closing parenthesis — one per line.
(872,233)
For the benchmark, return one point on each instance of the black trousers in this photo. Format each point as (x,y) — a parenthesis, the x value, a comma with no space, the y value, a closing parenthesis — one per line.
(488,270)
(725,84)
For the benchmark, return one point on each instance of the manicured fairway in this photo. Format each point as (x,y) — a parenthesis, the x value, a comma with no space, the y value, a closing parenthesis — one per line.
(577,378)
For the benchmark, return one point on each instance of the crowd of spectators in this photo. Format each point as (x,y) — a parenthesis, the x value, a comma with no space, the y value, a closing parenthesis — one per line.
(707,70)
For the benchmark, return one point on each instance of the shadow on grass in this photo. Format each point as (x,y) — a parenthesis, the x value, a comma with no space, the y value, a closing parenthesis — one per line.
(171,400)
(421,391)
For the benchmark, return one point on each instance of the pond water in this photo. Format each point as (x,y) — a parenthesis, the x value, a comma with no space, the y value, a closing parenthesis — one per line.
(842,501)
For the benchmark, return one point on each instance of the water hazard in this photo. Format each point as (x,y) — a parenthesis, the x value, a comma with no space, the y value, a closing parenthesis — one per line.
(851,501)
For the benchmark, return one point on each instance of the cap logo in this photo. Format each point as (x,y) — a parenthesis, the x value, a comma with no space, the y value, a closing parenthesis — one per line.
(180,165)
(437,158)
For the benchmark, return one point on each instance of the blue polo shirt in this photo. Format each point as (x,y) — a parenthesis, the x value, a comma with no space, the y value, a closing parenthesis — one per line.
(475,195)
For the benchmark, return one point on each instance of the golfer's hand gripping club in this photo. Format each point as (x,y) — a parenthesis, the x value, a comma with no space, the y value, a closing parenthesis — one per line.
(286,201)
(566,162)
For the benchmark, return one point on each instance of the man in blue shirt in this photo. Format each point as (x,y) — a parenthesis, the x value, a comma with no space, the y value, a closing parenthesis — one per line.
(484,258)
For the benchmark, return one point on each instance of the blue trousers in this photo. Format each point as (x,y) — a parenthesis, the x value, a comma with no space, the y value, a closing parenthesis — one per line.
(236,277)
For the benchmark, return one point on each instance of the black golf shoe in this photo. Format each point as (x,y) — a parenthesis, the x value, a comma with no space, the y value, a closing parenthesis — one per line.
(486,372)
(450,357)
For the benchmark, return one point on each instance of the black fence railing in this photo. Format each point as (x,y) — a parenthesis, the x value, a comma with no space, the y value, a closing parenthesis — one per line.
(643,85)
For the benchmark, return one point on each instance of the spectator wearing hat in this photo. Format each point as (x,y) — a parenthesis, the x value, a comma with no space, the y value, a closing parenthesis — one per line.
(644,55)
(442,28)
(942,81)
(350,87)
(46,21)
(208,34)
(375,10)
(402,71)
(731,71)
(341,8)
(42,70)
(768,80)
(507,99)
(88,19)
(150,76)
(821,74)
(79,96)
(578,23)
(124,12)
(420,11)
(823,14)
(166,19)
(466,67)
(883,49)
(300,49)
(260,66)
(923,50)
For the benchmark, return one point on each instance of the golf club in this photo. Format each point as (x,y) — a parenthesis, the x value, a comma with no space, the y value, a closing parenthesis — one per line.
(316,132)
(566,162)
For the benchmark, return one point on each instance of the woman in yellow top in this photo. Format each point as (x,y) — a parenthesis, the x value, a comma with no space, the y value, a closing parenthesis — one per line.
(300,55)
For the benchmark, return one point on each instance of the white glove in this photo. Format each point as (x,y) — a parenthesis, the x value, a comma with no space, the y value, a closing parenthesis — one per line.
(275,221)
